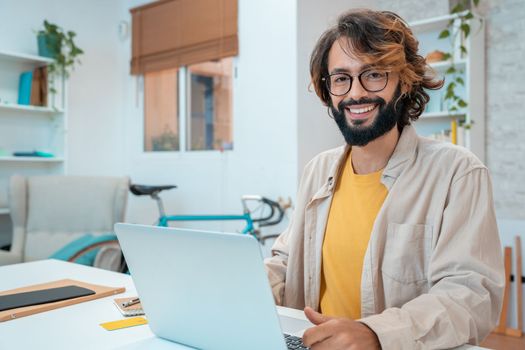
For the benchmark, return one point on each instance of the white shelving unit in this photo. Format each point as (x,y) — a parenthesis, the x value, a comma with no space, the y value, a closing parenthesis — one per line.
(436,117)
(25,128)
(30,109)
(32,159)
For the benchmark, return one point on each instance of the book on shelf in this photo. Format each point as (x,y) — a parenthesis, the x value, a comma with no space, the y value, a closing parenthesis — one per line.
(454,132)
(40,154)
(33,87)
(39,87)
(24,88)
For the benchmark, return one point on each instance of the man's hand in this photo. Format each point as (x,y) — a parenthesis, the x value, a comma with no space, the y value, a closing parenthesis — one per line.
(338,333)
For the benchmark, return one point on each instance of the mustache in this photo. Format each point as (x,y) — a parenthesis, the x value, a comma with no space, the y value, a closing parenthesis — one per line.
(351,102)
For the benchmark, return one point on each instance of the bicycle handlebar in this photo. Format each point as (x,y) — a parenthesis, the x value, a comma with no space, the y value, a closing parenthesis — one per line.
(274,206)
(280,213)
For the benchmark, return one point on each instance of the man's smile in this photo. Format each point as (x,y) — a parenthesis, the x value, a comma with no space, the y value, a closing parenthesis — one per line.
(360,111)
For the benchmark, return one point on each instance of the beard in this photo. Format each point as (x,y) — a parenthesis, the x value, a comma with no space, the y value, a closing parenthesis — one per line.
(388,114)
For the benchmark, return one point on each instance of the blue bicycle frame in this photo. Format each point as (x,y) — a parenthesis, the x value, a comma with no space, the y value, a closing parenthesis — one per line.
(249,228)
(163,220)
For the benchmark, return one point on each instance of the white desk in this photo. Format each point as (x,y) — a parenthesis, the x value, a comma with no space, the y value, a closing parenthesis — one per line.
(77,326)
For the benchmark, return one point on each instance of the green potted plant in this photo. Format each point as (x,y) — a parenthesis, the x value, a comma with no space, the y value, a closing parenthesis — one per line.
(167,141)
(56,43)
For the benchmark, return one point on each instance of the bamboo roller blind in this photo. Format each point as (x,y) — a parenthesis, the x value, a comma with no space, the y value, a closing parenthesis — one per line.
(173,33)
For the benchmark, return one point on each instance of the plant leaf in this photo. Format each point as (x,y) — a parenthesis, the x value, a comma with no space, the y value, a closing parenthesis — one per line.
(460,80)
(462,103)
(476,2)
(465,28)
(450,70)
(469,15)
(444,34)
(447,56)
(458,8)
(463,49)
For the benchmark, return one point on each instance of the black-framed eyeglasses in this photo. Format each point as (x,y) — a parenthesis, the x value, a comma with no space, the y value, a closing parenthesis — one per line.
(371,80)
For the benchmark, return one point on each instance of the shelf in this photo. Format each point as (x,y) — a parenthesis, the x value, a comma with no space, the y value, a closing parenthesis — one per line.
(4,211)
(445,64)
(442,115)
(32,159)
(20,57)
(435,23)
(29,108)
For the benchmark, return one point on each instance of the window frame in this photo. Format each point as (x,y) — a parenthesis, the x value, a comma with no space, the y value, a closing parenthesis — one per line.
(184,101)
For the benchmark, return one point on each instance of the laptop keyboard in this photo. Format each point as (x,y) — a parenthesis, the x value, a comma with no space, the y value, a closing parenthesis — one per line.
(294,343)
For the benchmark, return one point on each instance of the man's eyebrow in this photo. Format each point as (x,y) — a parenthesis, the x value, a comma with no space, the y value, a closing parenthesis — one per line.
(343,70)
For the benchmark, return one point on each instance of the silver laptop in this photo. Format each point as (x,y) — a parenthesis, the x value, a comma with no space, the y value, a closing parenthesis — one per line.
(208,290)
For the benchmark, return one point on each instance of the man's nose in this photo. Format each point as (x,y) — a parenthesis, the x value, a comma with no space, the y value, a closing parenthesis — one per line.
(357,91)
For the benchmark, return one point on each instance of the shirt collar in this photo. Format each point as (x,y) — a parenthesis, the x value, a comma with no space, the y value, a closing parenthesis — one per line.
(405,149)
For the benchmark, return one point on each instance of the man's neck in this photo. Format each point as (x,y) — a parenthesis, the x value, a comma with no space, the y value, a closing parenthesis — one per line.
(375,155)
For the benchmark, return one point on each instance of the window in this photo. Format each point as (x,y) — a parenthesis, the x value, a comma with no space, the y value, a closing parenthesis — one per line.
(207,89)
(184,50)
(210,108)
(161,122)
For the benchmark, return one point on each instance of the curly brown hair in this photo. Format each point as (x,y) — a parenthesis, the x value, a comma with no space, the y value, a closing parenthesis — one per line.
(382,39)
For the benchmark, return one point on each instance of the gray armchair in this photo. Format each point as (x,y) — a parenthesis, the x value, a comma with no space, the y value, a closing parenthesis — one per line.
(49,212)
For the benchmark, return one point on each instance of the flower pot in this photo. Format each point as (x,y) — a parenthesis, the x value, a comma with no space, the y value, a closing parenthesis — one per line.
(48,45)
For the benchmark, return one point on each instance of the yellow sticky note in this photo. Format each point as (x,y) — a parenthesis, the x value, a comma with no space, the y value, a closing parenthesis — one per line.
(128,322)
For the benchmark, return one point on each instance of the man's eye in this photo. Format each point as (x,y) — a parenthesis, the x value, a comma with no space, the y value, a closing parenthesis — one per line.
(339,79)
(374,75)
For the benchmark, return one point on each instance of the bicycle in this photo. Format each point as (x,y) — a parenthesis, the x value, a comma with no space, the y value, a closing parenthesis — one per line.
(105,248)
(253,224)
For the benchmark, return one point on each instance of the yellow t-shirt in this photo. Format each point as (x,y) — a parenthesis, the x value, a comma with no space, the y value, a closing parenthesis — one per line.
(356,202)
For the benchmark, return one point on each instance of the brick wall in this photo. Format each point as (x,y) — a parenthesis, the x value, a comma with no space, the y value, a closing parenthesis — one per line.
(505,92)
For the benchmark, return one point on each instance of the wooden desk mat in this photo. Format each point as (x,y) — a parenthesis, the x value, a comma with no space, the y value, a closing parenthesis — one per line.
(100,292)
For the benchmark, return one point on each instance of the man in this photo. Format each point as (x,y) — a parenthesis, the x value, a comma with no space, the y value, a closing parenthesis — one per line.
(394,238)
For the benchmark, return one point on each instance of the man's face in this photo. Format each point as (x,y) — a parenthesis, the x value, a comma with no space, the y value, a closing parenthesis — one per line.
(362,116)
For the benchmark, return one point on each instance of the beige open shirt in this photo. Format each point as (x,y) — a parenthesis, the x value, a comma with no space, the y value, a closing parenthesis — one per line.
(433,273)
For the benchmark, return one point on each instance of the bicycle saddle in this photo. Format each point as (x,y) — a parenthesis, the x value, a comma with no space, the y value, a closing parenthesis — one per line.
(141,190)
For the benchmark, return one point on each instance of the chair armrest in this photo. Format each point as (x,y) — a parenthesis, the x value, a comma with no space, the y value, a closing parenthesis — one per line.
(7,258)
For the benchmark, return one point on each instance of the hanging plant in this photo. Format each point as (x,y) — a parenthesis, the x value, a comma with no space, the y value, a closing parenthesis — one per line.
(457,30)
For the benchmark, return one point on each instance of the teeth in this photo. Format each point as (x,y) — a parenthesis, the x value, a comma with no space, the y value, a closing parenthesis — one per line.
(362,110)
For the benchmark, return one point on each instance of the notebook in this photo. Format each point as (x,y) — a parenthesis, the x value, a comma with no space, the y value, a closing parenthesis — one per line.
(133,310)
(208,290)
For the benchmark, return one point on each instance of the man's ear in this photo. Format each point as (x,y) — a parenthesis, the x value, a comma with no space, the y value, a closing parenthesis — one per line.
(405,88)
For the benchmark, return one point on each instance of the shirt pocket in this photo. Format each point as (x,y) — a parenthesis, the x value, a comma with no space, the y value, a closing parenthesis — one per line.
(407,251)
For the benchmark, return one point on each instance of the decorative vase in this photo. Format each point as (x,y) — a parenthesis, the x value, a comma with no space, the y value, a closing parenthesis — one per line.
(47,45)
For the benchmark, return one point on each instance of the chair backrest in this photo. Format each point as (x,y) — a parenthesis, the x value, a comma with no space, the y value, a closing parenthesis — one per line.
(51,211)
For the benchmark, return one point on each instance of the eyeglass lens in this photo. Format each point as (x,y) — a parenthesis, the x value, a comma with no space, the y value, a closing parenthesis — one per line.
(372,81)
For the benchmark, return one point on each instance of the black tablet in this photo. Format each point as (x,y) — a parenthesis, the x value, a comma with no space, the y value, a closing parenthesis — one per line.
(43,296)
